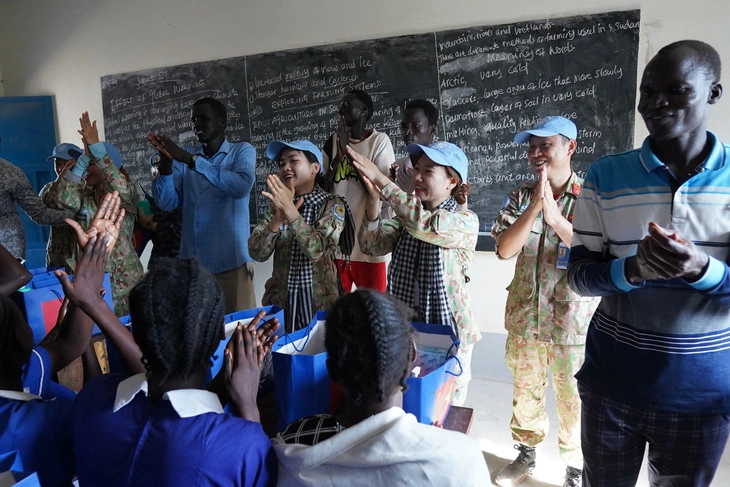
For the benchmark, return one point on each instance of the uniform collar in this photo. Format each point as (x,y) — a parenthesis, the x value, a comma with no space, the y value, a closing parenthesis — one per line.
(186,402)
(18,396)
(225,148)
(715,160)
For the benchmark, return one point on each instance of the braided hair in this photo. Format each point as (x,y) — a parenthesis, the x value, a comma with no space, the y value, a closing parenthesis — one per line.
(177,315)
(369,343)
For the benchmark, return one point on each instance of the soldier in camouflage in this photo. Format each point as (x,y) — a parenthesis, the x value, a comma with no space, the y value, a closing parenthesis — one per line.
(62,240)
(545,320)
(82,188)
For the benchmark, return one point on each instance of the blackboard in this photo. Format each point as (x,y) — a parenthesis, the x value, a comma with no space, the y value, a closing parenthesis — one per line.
(489,82)
(497,81)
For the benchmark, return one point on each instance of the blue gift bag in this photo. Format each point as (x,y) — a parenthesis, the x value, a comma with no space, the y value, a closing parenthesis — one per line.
(429,396)
(301,380)
(40,305)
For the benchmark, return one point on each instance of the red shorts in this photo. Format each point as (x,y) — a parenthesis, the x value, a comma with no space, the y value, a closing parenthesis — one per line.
(370,275)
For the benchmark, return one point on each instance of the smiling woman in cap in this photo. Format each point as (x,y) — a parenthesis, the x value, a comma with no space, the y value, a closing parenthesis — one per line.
(302,228)
(432,241)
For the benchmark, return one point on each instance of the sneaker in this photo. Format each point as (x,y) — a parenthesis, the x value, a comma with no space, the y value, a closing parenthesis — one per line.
(572,477)
(516,472)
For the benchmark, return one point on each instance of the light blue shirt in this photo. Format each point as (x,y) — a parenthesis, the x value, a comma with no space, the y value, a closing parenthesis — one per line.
(215,199)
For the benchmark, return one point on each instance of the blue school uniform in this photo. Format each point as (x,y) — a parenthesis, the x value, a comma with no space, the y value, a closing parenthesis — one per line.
(36,377)
(38,430)
(187,439)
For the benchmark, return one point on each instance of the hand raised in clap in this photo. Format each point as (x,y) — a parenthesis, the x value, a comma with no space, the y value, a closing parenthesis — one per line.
(664,254)
(107,221)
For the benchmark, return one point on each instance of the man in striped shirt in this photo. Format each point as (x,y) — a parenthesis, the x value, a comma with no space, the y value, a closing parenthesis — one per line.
(652,238)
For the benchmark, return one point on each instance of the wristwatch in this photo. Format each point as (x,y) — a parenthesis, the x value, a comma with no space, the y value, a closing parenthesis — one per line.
(194,158)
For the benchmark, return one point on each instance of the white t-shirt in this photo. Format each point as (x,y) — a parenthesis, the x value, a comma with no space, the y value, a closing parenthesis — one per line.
(377,148)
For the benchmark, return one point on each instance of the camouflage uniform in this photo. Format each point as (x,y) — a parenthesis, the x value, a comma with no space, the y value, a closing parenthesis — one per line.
(546,324)
(124,267)
(62,239)
(456,234)
(318,242)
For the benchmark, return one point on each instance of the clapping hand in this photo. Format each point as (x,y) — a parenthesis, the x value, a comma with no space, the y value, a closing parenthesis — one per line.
(168,149)
(550,211)
(343,135)
(89,273)
(107,221)
(89,132)
(664,254)
(243,357)
(282,197)
(367,169)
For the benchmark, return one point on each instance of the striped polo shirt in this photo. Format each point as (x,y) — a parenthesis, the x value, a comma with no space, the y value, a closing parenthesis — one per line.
(664,344)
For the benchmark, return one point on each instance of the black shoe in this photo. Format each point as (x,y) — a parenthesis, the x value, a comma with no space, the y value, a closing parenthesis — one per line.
(516,472)
(573,477)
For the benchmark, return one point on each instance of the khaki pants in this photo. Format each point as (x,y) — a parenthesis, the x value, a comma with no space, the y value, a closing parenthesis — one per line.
(237,287)
(530,362)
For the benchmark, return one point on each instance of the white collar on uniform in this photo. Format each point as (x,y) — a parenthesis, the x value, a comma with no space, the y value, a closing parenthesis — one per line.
(18,396)
(186,402)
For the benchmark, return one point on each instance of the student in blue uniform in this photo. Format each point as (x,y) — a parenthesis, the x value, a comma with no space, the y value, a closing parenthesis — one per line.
(162,428)
(37,428)
(53,354)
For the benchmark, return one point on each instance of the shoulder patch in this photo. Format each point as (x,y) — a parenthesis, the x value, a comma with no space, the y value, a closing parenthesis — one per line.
(338,210)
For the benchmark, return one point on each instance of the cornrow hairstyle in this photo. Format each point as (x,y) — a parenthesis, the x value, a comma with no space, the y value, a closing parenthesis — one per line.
(365,99)
(428,108)
(9,316)
(369,343)
(177,314)
(705,56)
(218,107)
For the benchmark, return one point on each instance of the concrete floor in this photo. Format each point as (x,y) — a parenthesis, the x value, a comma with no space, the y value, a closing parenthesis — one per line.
(490,395)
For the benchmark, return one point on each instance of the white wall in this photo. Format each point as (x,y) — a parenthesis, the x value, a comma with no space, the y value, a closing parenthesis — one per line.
(57,48)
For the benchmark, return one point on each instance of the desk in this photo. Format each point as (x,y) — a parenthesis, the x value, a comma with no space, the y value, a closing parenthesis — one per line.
(459,419)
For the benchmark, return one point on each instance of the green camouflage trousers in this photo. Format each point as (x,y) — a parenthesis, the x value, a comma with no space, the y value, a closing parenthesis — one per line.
(462,381)
(529,361)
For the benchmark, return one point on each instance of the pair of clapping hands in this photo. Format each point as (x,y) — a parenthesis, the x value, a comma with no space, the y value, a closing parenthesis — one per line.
(242,360)
(89,136)
(169,150)
(665,254)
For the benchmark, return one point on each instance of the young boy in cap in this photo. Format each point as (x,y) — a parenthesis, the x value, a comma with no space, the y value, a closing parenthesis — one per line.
(62,240)
(355,111)
(545,320)
(302,228)
(432,241)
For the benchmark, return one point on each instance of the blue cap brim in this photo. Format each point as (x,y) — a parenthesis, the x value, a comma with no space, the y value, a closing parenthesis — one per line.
(276,147)
(524,137)
(433,154)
